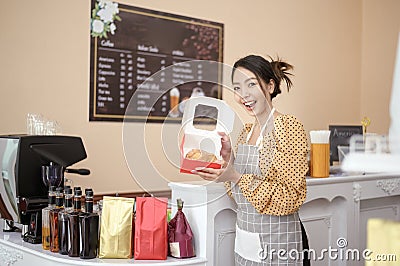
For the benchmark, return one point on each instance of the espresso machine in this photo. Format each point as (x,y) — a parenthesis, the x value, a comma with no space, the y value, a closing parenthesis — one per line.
(23,190)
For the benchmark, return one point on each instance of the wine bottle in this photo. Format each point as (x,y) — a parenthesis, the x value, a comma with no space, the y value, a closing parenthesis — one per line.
(73,225)
(63,230)
(89,229)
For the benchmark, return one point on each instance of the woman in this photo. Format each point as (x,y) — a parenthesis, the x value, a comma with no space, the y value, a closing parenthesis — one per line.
(266,178)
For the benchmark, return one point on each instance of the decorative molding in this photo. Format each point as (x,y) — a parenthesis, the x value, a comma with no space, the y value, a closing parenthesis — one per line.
(388,185)
(357,192)
(9,256)
(395,210)
(328,221)
(160,194)
(222,235)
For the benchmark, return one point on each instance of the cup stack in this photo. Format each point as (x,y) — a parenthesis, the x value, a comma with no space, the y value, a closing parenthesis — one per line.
(319,159)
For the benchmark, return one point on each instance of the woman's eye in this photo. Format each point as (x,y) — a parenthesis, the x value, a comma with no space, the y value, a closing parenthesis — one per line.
(252,84)
(236,88)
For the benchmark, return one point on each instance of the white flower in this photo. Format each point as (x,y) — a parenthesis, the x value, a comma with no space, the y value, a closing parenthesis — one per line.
(112,7)
(112,28)
(103,16)
(102,3)
(98,26)
(106,15)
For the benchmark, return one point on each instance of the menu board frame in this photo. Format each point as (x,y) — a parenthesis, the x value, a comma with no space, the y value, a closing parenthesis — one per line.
(94,114)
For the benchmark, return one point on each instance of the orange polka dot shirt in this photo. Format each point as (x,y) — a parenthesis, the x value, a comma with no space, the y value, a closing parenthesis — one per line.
(281,189)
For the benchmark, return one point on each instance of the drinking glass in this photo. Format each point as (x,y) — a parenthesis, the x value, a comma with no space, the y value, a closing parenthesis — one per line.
(52,175)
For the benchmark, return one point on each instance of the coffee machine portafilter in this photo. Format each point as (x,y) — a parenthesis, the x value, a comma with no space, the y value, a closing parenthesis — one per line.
(23,191)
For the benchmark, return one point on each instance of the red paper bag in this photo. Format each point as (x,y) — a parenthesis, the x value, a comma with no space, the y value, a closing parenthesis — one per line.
(151,241)
(180,235)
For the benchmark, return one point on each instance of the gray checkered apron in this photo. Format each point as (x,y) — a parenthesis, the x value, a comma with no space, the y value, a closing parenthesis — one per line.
(275,232)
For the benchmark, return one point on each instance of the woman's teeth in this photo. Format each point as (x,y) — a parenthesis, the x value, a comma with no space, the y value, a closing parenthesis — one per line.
(249,104)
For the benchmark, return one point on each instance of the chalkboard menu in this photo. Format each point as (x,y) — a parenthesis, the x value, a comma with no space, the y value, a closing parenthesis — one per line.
(340,135)
(144,64)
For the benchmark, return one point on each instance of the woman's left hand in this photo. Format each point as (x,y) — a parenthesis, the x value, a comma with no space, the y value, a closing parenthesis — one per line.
(227,172)
(218,175)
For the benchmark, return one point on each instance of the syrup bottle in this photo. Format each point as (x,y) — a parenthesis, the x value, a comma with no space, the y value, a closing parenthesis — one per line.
(54,240)
(89,227)
(63,235)
(83,199)
(46,218)
(73,225)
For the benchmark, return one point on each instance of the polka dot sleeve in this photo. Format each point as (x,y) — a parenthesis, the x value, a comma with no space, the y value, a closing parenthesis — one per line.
(283,188)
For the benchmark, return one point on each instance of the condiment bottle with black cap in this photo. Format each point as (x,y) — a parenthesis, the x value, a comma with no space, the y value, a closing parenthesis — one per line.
(46,218)
(54,240)
(63,230)
(89,228)
(73,223)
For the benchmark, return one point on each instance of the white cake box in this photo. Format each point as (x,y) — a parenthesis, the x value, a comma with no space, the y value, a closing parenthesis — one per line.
(203,139)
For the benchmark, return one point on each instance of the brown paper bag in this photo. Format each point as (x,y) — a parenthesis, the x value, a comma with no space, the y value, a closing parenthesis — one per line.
(116,228)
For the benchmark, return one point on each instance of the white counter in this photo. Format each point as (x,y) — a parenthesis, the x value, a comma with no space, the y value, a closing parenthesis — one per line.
(14,251)
(337,208)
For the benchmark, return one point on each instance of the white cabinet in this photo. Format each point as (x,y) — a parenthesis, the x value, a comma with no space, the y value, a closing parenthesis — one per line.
(335,216)
(212,217)
(224,237)
(337,210)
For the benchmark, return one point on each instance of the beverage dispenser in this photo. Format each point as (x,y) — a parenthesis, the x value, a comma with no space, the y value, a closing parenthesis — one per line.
(23,190)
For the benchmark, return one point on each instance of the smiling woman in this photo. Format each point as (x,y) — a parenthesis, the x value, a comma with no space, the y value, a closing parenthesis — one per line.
(266,175)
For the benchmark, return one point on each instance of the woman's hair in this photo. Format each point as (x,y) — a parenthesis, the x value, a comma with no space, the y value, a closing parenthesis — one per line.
(265,70)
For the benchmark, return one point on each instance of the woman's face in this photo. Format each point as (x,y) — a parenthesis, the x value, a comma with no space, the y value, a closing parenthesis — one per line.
(250,93)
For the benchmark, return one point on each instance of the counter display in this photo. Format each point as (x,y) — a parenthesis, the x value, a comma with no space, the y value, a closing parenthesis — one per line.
(335,216)
(14,251)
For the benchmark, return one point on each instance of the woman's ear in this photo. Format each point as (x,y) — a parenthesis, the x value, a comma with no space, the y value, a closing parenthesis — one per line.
(271,86)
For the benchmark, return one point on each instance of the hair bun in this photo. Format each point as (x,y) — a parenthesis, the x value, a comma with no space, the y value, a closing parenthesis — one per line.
(281,70)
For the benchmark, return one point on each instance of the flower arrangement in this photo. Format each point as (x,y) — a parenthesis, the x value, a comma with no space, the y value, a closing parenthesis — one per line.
(103,15)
